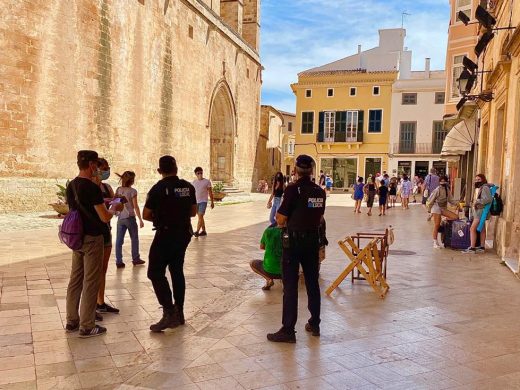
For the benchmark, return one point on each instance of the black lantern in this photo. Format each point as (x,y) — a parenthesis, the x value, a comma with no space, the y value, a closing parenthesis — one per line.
(466,82)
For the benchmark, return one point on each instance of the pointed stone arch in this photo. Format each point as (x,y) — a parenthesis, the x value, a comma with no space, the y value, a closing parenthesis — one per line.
(222,125)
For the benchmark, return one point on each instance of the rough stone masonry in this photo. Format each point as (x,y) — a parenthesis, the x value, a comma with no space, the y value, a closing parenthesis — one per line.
(132,79)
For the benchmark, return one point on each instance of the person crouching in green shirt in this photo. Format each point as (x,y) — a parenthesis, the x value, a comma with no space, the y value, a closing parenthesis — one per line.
(270,268)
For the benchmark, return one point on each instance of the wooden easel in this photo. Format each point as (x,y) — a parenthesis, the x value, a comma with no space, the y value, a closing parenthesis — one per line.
(366,261)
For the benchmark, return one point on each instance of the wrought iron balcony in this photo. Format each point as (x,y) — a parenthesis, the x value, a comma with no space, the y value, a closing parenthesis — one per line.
(339,136)
(409,147)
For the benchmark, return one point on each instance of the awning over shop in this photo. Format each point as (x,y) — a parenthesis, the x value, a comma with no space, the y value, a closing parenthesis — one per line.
(460,139)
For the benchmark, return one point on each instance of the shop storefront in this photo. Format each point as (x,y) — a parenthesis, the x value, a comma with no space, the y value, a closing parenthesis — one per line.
(342,170)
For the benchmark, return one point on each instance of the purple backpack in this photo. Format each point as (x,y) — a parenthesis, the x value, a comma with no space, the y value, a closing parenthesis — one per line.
(71,230)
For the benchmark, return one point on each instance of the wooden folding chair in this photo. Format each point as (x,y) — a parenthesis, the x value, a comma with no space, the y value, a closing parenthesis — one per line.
(367,261)
(384,245)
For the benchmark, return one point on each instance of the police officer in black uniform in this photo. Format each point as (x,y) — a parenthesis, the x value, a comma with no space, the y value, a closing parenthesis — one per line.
(170,205)
(300,214)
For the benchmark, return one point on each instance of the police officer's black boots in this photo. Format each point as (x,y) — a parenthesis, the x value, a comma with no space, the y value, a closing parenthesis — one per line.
(180,314)
(170,319)
(314,330)
(282,336)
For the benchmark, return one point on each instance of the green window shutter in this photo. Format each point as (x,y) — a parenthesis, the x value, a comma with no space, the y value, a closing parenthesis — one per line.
(360,126)
(321,124)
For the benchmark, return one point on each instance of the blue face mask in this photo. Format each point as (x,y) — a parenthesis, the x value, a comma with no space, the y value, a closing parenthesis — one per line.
(105,174)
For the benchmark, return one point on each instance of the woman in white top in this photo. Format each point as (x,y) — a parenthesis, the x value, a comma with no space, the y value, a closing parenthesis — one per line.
(127,220)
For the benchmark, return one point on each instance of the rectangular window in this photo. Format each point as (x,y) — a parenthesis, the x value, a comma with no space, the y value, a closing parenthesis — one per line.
(330,126)
(439,134)
(407,137)
(289,127)
(376,91)
(375,119)
(330,92)
(308,93)
(352,91)
(464,6)
(307,122)
(457,70)
(352,126)
(409,98)
(440,97)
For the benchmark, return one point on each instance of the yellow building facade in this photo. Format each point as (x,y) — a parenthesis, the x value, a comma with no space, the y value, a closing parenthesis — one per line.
(343,110)
(332,122)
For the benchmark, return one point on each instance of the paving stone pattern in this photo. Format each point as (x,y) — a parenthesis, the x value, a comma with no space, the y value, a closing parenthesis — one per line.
(448,322)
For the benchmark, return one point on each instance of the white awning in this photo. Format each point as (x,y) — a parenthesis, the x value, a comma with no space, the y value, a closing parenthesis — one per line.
(461,138)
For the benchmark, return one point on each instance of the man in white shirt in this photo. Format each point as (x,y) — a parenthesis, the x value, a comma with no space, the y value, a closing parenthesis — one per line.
(203,190)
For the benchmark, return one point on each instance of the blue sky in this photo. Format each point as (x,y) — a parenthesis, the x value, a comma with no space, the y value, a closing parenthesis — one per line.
(301,34)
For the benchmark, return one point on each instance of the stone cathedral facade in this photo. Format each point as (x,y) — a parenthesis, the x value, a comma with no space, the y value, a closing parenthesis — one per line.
(132,79)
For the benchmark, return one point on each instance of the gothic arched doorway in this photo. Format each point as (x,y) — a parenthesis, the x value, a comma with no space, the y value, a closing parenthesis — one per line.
(222,138)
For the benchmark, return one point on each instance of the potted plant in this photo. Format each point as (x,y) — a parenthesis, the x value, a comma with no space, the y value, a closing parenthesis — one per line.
(61,206)
(218,192)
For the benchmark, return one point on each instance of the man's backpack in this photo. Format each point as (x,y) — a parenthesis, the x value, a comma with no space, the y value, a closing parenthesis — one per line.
(71,230)
(497,206)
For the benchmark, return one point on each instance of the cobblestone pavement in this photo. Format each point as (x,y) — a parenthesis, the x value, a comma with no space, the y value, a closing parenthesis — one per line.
(449,320)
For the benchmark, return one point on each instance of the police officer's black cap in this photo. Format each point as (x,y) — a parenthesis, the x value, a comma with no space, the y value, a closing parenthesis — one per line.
(87,156)
(167,164)
(304,162)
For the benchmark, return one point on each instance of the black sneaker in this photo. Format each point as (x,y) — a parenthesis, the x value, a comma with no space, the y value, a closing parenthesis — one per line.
(314,330)
(120,265)
(99,317)
(106,308)
(138,262)
(196,234)
(168,320)
(470,250)
(203,233)
(282,336)
(95,331)
(71,328)
(480,249)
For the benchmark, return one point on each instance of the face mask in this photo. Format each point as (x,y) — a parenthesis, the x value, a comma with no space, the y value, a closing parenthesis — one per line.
(105,174)
(478,184)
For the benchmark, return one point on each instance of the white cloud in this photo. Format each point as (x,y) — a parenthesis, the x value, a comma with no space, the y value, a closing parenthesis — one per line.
(300,35)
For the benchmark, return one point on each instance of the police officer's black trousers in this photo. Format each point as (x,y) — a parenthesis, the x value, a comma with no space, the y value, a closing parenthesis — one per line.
(308,256)
(168,251)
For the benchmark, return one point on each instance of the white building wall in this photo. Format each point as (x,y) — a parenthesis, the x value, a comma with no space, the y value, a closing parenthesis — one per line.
(424,113)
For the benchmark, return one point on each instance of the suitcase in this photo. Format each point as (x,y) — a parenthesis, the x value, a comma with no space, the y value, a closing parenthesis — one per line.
(457,234)
(460,234)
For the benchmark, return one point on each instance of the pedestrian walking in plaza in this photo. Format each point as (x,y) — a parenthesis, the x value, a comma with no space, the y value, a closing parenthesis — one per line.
(328,184)
(370,193)
(108,197)
(127,219)
(322,180)
(86,197)
(437,205)
(203,191)
(392,194)
(406,191)
(275,200)
(382,193)
(481,198)
(300,215)
(358,194)
(271,267)
(431,182)
(170,205)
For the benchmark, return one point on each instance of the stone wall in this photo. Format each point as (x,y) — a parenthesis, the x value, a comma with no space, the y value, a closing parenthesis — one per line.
(131,79)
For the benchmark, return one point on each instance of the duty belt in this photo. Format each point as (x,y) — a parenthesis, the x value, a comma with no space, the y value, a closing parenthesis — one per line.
(303,234)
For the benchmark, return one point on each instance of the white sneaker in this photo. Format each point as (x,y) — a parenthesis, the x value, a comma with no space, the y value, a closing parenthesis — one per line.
(436,245)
